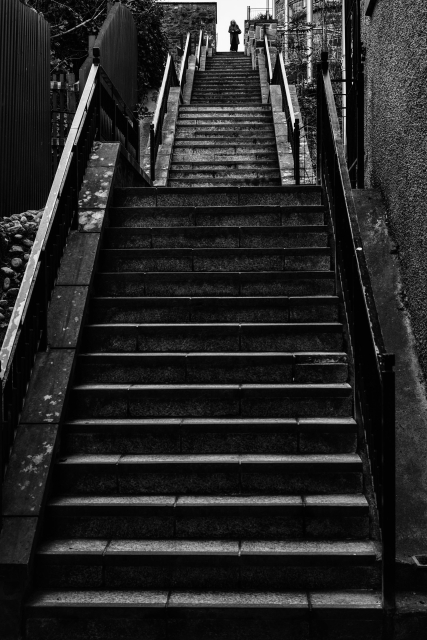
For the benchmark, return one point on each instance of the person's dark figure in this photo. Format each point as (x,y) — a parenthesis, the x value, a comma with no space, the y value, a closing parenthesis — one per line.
(234,31)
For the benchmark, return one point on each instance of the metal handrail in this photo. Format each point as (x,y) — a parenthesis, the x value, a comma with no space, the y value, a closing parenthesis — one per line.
(184,63)
(101,115)
(199,49)
(268,60)
(293,124)
(160,98)
(207,44)
(169,80)
(374,376)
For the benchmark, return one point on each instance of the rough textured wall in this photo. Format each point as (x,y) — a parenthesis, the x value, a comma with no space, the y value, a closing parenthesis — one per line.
(395,147)
(396,133)
(181,17)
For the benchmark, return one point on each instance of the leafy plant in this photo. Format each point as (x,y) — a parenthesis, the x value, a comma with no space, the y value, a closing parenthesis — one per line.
(72,23)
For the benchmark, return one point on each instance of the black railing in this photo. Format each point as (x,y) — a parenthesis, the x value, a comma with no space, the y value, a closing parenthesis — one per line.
(101,115)
(170,79)
(293,123)
(373,367)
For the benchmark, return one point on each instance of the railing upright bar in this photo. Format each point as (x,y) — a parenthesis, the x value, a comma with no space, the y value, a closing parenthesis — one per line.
(297,152)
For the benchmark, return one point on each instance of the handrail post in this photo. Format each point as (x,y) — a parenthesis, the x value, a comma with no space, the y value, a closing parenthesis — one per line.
(138,150)
(152,154)
(388,480)
(319,135)
(296,151)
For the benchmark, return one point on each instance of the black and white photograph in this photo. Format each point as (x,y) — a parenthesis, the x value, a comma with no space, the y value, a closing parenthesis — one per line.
(213,320)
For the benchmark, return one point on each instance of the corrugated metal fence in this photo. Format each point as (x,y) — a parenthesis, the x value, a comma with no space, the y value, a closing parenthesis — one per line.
(118,61)
(25,137)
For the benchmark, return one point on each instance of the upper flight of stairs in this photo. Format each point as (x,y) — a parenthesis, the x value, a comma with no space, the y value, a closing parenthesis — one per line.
(226,135)
(210,484)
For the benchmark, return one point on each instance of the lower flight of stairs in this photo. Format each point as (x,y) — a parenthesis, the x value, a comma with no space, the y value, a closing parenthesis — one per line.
(209,484)
(226,135)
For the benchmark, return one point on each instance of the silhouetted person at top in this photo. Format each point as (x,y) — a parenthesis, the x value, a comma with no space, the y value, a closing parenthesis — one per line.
(234,31)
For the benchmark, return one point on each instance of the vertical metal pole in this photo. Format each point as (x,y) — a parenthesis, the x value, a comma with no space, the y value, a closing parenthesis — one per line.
(309,41)
(343,75)
(138,142)
(388,479)
(296,151)
(152,153)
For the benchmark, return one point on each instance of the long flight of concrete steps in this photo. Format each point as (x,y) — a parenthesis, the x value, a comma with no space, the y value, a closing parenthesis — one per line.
(226,135)
(209,484)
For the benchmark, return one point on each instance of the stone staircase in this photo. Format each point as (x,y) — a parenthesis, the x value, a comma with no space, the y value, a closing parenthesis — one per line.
(211,483)
(225,136)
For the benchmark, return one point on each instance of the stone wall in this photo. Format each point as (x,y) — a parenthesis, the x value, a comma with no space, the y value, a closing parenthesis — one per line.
(395,156)
(181,17)
(395,139)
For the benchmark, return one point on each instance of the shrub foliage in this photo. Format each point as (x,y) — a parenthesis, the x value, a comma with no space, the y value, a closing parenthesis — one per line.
(72,23)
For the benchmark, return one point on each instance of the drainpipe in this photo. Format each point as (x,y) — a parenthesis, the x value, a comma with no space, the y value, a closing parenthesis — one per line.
(309,41)
(343,75)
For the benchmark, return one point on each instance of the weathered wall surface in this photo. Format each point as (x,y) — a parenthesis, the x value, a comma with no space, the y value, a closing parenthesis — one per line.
(181,17)
(396,133)
(395,153)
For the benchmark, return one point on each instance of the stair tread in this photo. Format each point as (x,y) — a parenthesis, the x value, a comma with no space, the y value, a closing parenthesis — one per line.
(180,547)
(276,355)
(348,459)
(357,599)
(297,326)
(302,423)
(349,504)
